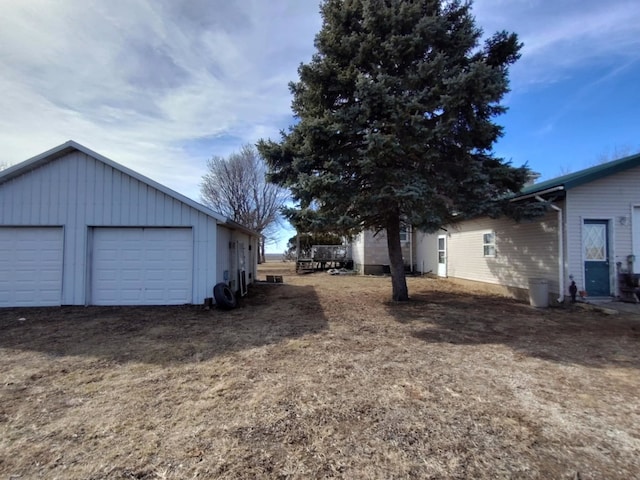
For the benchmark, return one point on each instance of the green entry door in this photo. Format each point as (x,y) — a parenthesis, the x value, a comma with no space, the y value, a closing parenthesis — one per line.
(596,258)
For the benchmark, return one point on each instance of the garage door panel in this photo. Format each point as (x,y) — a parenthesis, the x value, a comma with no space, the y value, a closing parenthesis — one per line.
(31,266)
(156,276)
(49,258)
(154,294)
(131,251)
(50,276)
(25,275)
(177,276)
(131,276)
(136,266)
(106,275)
(178,292)
(177,257)
(130,297)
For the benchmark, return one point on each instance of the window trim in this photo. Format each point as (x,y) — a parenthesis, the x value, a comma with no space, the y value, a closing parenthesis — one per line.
(404,234)
(489,247)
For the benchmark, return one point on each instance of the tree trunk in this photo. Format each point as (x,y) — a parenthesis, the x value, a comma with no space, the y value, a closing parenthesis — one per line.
(400,293)
(261,249)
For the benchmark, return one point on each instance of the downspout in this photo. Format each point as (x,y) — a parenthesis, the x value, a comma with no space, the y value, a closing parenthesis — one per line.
(560,247)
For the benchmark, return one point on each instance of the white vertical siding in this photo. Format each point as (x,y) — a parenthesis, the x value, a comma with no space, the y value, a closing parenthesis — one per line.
(222,246)
(371,249)
(426,253)
(205,276)
(611,198)
(77,191)
(523,251)
(225,239)
(357,250)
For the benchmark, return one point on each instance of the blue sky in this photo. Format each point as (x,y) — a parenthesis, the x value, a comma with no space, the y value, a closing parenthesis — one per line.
(162,85)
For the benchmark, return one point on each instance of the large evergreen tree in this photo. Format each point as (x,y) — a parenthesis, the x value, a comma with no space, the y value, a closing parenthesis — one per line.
(396,121)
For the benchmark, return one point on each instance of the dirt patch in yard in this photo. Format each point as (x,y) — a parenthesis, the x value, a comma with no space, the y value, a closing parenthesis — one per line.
(321,377)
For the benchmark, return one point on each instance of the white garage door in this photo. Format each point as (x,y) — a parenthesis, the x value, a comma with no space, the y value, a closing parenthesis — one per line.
(141,266)
(30,266)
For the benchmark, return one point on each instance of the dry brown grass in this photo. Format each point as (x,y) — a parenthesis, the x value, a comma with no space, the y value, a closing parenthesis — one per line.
(321,377)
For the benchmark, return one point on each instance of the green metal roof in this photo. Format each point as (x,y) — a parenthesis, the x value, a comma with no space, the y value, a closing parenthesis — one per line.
(584,176)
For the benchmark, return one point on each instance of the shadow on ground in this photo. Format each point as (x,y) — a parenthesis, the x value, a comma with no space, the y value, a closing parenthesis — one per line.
(563,335)
(165,335)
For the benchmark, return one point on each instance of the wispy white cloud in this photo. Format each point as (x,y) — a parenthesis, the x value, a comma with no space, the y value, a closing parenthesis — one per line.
(139,80)
(161,85)
(562,36)
(579,60)
(582,94)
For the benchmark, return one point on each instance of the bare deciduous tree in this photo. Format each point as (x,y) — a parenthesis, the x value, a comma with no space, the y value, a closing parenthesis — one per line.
(237,187)
(619,151)
(606,156)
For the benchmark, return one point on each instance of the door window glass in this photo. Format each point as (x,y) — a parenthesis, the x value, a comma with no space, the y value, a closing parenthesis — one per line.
(595,242)
(441,250)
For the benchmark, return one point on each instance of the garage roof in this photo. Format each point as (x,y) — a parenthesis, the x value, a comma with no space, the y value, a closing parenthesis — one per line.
(70,146)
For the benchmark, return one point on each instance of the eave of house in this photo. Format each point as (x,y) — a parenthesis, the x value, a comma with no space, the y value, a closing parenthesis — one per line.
(581,177)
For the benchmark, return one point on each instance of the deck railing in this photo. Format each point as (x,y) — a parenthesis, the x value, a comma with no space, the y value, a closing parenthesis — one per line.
(319,257)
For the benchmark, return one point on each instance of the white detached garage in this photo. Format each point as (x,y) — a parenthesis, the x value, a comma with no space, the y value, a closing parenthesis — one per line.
(79,229)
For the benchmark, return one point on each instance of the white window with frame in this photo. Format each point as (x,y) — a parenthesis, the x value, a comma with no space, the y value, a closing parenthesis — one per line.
(489,244)
(404,234)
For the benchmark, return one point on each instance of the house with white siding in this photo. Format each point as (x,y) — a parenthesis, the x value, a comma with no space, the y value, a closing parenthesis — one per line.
(590,232)
(77,228)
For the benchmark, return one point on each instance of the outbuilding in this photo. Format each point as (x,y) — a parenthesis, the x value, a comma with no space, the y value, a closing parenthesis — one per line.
(77,228)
